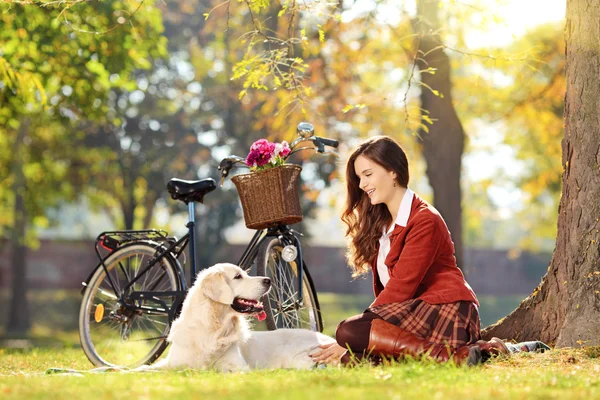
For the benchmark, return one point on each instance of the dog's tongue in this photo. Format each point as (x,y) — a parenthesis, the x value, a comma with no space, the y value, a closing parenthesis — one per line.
(261,316)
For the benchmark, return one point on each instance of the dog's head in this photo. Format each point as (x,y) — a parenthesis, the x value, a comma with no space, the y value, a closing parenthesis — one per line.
(231,285)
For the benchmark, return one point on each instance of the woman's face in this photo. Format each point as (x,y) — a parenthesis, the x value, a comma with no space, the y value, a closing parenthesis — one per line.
(376,181)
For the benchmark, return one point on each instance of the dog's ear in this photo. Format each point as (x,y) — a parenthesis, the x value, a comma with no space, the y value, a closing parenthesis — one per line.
(215,287)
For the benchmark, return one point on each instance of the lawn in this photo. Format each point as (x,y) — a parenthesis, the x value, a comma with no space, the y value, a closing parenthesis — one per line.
(564,374)
(53,343)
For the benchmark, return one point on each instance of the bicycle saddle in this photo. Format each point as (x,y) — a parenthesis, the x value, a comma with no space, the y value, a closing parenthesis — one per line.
(188,191)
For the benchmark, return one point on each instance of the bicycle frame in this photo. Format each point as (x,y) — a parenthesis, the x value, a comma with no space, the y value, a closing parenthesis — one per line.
(155,296)
(176,248)
(162,252)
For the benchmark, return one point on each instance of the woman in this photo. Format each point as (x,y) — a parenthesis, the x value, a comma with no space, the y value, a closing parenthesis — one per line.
(423,304)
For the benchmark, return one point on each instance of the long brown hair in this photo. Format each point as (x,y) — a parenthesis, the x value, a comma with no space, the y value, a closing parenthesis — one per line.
(365,221)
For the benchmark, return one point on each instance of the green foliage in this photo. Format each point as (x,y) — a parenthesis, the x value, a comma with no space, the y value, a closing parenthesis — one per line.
(25,84)
(271,40)
(256,6)
(61,49)
(525,101)
(57,73)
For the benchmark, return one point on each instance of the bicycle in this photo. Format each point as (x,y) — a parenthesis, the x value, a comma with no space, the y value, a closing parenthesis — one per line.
(131,298)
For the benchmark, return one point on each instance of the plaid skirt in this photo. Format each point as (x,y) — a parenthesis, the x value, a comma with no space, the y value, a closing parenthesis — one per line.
(452,324)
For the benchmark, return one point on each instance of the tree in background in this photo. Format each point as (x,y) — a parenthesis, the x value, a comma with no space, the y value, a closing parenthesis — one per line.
(443,141)
(349,77)
(75,69)
(361,71)
(178,119)
(524,102)
(564,309)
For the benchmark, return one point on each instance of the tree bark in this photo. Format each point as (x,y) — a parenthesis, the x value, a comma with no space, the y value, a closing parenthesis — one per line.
(150,203)
(443,145)
(565,309)
(128,202)
(18,319)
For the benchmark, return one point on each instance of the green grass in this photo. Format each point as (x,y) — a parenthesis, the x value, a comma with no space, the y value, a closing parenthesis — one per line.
(566,374)
(53,343)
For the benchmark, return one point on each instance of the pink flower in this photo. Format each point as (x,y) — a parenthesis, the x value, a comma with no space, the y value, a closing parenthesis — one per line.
(260,154)
(259,144)
(264,153)
(251,159)
(286,149)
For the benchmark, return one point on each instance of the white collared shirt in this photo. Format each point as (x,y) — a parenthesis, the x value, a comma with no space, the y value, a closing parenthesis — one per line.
(384,241)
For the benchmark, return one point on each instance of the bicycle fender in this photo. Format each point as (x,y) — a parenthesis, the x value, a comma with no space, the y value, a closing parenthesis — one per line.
(85,283)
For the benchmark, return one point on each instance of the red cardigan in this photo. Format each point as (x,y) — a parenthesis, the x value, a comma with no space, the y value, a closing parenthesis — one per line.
(421,262)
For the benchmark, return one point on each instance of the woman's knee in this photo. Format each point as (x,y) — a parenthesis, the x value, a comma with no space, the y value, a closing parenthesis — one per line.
(343,333)
(353,333)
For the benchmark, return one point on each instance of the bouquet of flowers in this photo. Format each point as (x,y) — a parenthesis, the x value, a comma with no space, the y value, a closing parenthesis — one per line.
(264,155)
(271,196)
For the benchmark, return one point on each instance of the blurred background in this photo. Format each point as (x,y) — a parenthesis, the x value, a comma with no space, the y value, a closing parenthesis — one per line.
(102,104)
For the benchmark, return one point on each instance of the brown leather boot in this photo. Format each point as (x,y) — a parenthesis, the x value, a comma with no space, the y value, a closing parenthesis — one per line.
(493,347)
(388,340)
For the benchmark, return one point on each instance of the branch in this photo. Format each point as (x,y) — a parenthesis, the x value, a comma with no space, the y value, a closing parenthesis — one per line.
(533,98)
(489,56)
(254,21)
(291,29)
(126,20)
(68,4)
(410,78)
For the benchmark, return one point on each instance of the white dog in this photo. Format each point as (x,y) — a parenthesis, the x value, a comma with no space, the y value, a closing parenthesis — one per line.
(212,332)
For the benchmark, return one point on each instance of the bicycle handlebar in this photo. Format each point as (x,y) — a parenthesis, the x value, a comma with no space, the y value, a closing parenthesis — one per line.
(322,142)
(306,132)
(227,163)
(330,142)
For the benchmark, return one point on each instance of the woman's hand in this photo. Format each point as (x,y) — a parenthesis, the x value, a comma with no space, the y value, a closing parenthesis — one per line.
(330,354)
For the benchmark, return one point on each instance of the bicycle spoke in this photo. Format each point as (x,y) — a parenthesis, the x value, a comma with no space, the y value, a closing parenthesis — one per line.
(156,281)
(146,275)
(284,307)
(108,294)
(151,325)
(291,314)
(150,339)
(154,321)
(124,272)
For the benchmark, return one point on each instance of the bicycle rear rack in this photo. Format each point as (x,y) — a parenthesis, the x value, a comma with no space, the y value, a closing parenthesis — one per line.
(109,241)
(112,240)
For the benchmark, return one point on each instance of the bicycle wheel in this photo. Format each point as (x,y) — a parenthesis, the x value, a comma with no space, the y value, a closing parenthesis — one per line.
(113,334)
(281,303)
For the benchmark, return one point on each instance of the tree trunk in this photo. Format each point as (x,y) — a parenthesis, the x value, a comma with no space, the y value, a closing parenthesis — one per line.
(565,309)
(128,197)
(150,203)
(128,210)
(18,318)
(444,143)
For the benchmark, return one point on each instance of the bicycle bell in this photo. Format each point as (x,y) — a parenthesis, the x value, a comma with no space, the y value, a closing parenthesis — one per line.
(305,130)
(289,253)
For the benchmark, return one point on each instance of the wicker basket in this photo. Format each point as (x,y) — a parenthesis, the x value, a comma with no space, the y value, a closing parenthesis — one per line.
(270,197)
